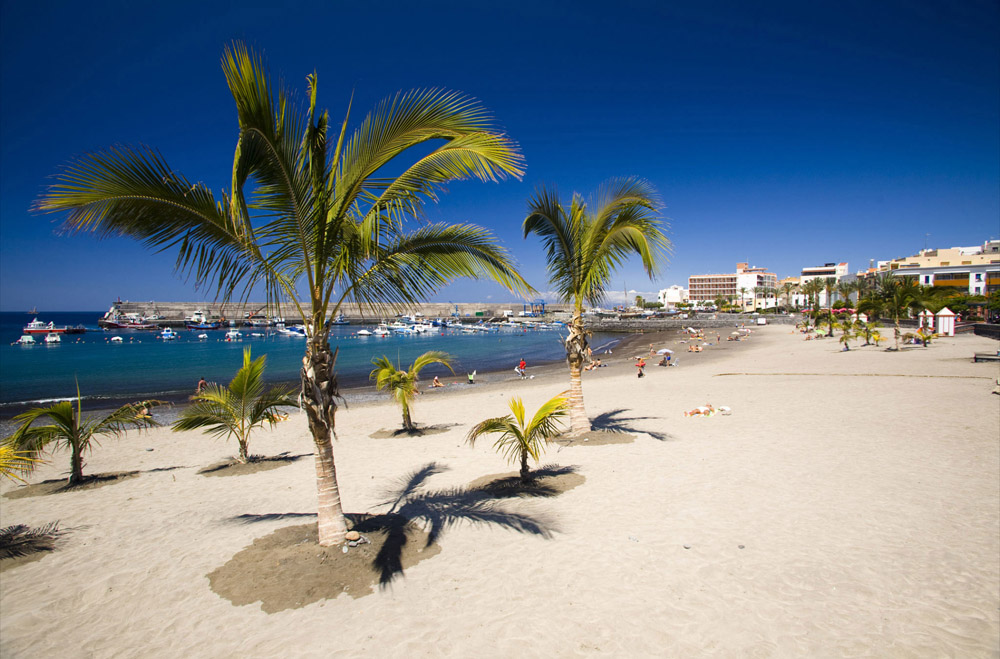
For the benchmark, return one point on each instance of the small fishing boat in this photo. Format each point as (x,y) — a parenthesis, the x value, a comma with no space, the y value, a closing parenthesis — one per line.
(203,336)
(233,335)
(294,330)
(26,340)
(340,320)
(364,332)
(52,338)
(382,330)
(168,334)
(116,339)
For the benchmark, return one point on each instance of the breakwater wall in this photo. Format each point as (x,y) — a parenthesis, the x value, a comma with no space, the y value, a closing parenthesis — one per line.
(174,313)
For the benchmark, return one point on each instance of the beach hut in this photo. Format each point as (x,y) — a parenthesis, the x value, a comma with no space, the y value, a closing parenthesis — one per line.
(926,319)
(946,322)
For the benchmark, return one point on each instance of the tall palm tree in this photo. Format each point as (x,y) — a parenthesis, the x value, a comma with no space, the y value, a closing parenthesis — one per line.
(829,286)
(583,247)
(759,290)
(234,411)
(402,385)
(844,290)
(811,290)
(743,297)
(328,212)
(787,289)
(69,428)
(520,439)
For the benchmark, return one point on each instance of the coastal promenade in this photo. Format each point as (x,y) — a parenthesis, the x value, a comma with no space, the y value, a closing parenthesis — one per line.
(847,505)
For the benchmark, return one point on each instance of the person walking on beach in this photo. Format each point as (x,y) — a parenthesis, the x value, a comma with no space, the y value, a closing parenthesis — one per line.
(522,365)
(201,385)
(641,364)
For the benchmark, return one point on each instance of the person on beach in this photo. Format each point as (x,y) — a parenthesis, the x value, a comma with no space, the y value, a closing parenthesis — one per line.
(641,364)
(437,382)
(706,410)
(520,370)
(201,385)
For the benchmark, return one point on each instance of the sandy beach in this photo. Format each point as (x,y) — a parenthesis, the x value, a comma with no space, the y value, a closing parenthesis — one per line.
(848,506)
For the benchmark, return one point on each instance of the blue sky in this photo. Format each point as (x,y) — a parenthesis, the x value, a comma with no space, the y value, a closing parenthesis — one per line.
(785,134)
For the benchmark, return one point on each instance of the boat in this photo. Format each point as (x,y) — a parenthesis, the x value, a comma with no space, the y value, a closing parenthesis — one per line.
(382,330)
(294,330)
(26,340)
(200,321)
(203,336)
(38,327)
(116,339)
(340,320)
(363,332)
(52,338)
(168,334)
(233,335)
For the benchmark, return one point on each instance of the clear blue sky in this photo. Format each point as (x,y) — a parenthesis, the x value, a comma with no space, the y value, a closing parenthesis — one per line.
(787,135)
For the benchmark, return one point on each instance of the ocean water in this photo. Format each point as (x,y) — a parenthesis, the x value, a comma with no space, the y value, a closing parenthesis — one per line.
(144,366)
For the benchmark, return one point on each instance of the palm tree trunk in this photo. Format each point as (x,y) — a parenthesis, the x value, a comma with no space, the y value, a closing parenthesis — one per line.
(243,457)
(76,466)
(319,388)
(576,349)
(524,467)
(407,421)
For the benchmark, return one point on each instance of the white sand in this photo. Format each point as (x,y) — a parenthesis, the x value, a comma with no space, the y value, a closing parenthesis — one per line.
(867,508)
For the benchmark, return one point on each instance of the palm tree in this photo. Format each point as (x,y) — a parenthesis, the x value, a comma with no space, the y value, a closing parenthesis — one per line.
(584,245)
(788,288)
(759,290)
(743,298)
(900,295)
(329,213)
(69,428)
(518,439)
(829,286)
(846,327)
(811,290)
(402,385)
(14,463)
(234,411)
(867,329)
(844,290)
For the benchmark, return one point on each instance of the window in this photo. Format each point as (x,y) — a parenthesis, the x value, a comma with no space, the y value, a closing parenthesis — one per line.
(979,276)
(927,279)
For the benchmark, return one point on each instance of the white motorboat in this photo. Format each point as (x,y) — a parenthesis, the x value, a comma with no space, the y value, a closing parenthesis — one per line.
(203,336)
(382,330)
(168,334)
(294,330)
(52,338)
(116,339)
(233,335)
(26,340)
(363,332)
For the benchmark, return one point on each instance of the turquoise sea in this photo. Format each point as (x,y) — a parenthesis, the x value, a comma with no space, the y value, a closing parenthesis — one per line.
(144,366)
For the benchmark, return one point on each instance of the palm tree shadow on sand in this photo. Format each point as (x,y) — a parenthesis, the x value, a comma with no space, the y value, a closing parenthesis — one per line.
(614,421)
(288,569)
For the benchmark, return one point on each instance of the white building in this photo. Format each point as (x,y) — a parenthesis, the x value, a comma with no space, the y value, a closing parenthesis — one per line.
(835,271)
(976,270)
(672,296)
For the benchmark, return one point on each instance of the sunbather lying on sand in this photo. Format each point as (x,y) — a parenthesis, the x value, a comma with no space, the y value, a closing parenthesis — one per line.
(706,410)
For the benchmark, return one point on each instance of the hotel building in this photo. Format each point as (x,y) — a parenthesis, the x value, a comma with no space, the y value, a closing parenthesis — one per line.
(737,286)
(975,270)
(835,271)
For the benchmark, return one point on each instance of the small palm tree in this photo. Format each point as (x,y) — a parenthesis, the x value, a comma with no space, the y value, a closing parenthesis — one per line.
(847,332)
(867,329)
(402,385)
(518,439)
(234,411)
(876,337)
(71,429)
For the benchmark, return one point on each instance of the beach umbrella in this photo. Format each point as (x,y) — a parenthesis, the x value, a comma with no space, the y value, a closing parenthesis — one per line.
(664,351)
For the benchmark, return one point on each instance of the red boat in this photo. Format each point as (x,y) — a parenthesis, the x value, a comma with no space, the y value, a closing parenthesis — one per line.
(38,327)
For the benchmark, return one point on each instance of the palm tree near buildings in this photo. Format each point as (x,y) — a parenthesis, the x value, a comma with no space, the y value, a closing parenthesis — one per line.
(69,428)
(829,286)
(844,290)
(900,297)
(324,207)
(743,297)
(402,385)
(759,290)
(519,438)
(235,411)
(584,244)
(788,288)
(811,290)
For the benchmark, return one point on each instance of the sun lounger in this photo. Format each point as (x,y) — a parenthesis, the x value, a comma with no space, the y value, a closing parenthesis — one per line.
(986,357)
